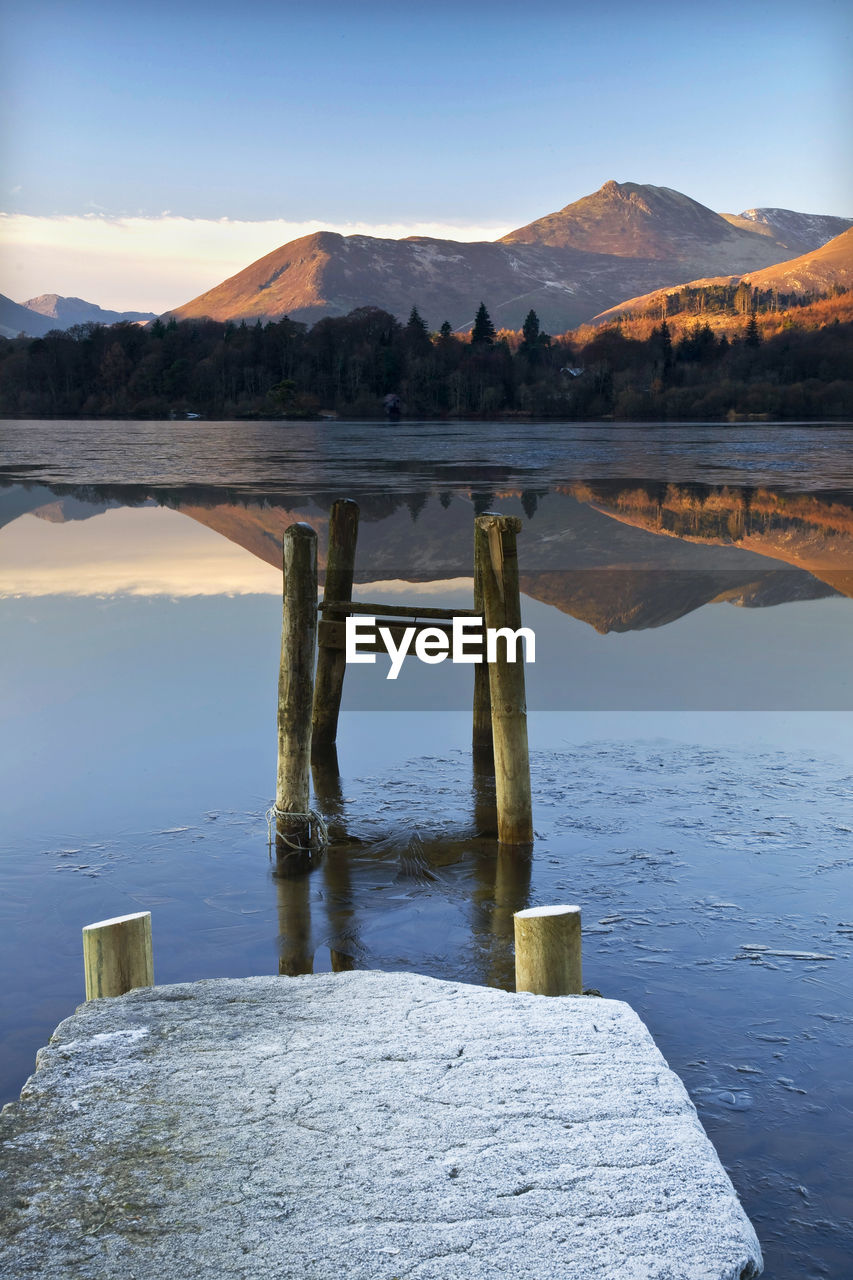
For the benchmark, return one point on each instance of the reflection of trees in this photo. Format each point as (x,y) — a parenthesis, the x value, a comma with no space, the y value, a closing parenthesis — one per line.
(530,501)
(812,531)
(483,500)
(416,503)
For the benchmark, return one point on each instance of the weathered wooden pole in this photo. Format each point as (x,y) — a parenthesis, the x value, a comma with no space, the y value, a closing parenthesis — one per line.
(483,794)
(483,753)
(331,663)
(548,951)
(295,695)
(502,608)
(483,748)
(328,793)
(117,955)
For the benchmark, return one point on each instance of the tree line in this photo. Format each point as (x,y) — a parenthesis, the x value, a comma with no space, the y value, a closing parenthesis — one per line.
(350,365)
(730,299)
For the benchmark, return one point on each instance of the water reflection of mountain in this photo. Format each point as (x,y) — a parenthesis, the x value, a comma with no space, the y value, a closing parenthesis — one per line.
(619,556)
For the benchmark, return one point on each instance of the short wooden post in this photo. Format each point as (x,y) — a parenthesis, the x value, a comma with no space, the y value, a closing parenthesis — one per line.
(482,730)
(548,951)
(295,693)
(331,663)
(117,955)
(502,607)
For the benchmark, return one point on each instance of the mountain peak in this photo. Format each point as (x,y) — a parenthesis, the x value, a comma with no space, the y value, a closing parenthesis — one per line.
(631,220)
(45,303)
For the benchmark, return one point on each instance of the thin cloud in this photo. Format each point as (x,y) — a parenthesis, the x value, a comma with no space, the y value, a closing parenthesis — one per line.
(152,264)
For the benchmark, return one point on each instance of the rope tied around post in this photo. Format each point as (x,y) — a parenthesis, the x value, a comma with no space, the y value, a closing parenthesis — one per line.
(318,832)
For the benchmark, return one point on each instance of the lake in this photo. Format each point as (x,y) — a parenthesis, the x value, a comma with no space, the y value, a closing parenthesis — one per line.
(690,724)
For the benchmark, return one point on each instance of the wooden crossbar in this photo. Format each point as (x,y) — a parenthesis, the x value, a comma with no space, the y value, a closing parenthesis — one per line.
(332,635)
(394,610)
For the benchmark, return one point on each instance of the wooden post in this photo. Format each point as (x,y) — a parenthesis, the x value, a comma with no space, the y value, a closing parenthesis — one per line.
(483,748)
(331,663)
(502,607)
(548,951)
(485,812)
(328,793)
(117,955)
(295,694)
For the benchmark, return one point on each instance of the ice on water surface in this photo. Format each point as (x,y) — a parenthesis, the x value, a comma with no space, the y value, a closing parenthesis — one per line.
(713,876)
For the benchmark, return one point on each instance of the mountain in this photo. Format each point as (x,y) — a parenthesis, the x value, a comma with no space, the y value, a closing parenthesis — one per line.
(815,272)
(329,274)
(624,239)
(796,232)
(69,311)
(15,319)
(39,315)
(657,223)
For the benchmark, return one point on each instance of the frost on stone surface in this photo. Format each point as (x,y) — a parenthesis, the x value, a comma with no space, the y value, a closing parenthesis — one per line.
(363,1124)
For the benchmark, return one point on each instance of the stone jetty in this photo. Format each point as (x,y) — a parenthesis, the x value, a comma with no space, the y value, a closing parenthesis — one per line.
(361,1126)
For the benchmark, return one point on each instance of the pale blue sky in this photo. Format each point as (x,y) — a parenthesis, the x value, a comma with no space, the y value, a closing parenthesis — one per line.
(463,111)
(254,123)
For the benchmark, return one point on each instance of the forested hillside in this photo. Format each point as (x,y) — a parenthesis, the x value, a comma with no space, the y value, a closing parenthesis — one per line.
(791,365)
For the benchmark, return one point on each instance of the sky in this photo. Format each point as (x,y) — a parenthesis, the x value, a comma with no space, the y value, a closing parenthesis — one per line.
(149,151)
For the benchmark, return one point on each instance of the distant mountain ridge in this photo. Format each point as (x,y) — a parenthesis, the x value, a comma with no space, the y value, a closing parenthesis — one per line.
(38,316)
(623,240)
(797,232)
(70,311)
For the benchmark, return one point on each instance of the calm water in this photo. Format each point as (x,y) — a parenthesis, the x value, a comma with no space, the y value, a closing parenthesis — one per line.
(690,728)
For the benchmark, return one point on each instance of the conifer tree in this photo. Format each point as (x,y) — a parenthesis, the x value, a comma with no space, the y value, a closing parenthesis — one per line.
(483,331)
(530,329)
(752,337)
(416,334)
(415,323)
(666,342)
